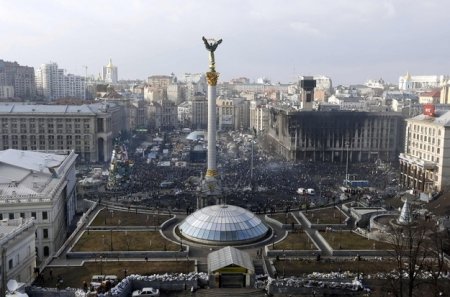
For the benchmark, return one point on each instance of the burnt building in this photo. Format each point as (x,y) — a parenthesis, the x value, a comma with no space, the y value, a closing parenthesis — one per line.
(327,136)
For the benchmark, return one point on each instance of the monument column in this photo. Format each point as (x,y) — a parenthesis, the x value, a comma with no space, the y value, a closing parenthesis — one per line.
(212,77)
(210,185)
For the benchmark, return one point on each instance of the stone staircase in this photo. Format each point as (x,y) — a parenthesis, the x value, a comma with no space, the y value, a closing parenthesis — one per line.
(259,268)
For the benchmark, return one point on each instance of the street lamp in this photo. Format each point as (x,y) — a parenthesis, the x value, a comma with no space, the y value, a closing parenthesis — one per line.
(347,144)
(101,264)
(181,240)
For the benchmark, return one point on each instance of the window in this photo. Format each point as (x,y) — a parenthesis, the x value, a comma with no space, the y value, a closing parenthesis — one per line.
(45,215)
(1,216)
(45,233)
(11,216)
(22,215)
(10,264)
(33,214)
(46,251)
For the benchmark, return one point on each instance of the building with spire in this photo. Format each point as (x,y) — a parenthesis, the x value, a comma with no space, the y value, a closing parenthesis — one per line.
(109,73)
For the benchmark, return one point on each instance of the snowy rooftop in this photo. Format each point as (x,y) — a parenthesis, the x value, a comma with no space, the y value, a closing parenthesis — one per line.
(90,109)
(442,118)
(229,256)
(27,172)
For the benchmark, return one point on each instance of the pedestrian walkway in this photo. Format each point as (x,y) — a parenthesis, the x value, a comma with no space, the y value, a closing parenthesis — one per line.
(312,234)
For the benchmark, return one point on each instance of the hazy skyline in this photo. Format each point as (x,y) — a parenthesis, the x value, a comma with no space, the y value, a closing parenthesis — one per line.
(349,40)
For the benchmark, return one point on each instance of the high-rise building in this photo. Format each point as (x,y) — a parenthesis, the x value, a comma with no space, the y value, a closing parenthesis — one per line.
(18,78)
(52,83)
(110,73)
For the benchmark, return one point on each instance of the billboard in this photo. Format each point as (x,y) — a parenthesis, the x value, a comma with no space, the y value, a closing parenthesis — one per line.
(429,110)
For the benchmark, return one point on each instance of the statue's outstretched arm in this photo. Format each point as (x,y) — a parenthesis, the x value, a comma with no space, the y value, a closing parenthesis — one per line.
(206,43)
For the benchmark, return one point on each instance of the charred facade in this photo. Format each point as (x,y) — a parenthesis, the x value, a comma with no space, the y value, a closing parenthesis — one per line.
(328,136)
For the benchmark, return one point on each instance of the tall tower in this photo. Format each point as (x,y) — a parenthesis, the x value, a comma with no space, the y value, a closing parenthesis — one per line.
(110,73)
(210,184)
(307,85)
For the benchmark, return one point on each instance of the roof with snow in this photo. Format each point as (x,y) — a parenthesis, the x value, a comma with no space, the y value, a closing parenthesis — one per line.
(229,256)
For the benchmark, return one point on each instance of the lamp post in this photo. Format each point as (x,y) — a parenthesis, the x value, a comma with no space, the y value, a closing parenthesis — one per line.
(251,166)
(347,144)
(185,275)
(111,239)
(101,264)
(181,240)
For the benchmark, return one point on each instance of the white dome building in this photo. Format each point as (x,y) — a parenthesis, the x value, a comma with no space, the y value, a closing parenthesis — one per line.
(223,225)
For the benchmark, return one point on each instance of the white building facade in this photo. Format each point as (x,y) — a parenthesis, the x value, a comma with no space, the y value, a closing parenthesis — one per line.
(53,83)
(425,164)
(41,186)
(421,82)
(17,249)
(110,73)
(259,116)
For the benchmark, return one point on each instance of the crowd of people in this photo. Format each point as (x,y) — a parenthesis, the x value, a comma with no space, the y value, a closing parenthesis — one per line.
(257,181)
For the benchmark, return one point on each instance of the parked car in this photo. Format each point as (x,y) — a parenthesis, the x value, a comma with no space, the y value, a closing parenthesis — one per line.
(146,292)
(112,278)
(96,281)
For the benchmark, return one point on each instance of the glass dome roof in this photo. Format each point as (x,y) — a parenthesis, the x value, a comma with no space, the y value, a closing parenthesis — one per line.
(223,224)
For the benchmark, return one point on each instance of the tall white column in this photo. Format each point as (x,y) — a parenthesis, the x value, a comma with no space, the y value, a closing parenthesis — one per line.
(212,77)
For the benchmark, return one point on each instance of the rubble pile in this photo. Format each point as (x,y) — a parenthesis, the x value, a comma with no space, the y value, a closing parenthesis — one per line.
(127,282)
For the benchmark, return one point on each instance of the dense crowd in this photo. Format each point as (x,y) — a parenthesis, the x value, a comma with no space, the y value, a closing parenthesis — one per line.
(270,186)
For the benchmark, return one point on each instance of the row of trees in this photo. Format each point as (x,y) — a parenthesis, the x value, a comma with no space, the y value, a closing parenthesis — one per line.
(420,252)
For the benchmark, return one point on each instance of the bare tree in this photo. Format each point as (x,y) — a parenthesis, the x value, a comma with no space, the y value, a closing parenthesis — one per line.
(438,243)
(410,253)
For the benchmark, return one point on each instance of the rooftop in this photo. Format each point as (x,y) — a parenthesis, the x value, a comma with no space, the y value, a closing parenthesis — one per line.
(29,172)
(442,118)
(89,109)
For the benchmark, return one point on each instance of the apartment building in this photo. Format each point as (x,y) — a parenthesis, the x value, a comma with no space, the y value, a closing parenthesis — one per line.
(53,83)
(16,80)
(87,129)
(40,186)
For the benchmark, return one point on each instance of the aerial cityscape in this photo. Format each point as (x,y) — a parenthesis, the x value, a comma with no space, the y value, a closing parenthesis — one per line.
(203,159)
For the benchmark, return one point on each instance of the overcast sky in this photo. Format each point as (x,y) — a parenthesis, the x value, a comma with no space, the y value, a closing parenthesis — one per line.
(349,40)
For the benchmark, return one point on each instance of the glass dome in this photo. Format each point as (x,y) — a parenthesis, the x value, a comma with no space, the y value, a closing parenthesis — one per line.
(223,224)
